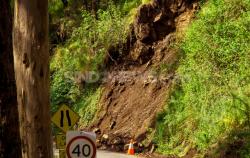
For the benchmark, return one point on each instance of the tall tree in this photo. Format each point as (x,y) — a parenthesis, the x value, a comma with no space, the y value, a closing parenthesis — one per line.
(85,3)
(31,59)
(94,7)
(9,129)
(65,3)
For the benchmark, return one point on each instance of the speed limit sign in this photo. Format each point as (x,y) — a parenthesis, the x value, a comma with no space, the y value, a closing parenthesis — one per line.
(80,144)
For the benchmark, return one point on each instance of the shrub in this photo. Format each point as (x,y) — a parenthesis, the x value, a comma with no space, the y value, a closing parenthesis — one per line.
(212,98)
(84,51)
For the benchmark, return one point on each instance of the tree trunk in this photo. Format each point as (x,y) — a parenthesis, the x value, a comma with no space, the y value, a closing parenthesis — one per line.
(85,3)
(9,129)
(94,7)
(31,58)
(65,3)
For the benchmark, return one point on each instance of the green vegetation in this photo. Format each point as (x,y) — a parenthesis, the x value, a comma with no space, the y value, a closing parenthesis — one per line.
(210,103)
(88,106)
(55,8)
(209,108)
(84,51)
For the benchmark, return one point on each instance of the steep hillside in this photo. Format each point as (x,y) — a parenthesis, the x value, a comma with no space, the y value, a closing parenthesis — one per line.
(138,80)
(171,74)
(208,112)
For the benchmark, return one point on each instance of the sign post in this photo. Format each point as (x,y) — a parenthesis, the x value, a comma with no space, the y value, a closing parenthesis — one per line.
(80,144)
(62,153)
(65,118)
(60,141)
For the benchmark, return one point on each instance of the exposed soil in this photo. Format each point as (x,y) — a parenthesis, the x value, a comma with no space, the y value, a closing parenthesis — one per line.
(135,91)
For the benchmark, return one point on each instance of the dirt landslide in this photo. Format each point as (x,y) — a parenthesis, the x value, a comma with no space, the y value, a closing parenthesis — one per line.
(134,90)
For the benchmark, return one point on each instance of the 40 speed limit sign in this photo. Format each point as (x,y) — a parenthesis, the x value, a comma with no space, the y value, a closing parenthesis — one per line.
(80,144)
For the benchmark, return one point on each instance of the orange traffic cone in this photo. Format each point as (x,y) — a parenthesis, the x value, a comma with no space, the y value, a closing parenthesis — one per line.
(131,150)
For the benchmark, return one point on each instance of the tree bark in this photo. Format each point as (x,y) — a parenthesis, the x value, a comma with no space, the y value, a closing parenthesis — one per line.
(94,7)
(31,59)
(9,129)
(85,3)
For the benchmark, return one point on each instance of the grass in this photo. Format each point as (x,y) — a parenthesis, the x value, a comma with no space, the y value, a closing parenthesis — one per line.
(88,106)
(87,44)
(210,98)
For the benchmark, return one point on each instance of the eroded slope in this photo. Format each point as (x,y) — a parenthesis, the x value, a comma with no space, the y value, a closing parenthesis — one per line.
(136,88)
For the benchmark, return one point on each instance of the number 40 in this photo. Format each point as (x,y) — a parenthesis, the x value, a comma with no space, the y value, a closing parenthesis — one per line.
(85,150)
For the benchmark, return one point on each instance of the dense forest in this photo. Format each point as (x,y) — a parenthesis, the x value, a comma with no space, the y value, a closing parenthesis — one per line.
(173,75)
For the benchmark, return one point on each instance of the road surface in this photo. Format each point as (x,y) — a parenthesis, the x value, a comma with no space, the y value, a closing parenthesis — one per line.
(108,154)
(102,154)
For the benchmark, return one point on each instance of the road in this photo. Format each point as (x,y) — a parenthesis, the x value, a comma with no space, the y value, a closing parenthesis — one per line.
(108,154)
(102,154)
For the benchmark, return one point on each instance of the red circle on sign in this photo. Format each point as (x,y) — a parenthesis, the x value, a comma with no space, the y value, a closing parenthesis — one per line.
(81,137)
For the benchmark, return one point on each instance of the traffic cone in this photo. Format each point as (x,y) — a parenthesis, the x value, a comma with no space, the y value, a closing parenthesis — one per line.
(131,150)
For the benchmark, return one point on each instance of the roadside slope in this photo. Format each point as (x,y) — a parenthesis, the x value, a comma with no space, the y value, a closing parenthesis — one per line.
(139,79)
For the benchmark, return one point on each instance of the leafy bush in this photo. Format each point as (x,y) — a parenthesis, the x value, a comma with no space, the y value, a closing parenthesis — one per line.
(56,7)
(83,52)
(211,98)
(88,106)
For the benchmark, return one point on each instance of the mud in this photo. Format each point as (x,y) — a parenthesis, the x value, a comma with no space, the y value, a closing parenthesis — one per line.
(135,93)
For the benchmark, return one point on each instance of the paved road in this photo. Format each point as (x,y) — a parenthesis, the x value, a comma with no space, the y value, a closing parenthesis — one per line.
(108,154)
(102,154)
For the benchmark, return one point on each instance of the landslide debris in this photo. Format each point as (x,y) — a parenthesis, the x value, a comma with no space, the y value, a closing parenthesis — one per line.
(134,90)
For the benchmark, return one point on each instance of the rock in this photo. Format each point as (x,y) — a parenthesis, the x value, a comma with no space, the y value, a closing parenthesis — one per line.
(164,79)
(158,17)
(132,82)
(141,51)
(105,137)
(155,86)
(121,83)
(143,32)
(145,83)
(143,26)
(98,143)
(140,145)
(109,101)
(112,124)
(151,77)
(103,147)
(122,89)
(97,130)
(117,148)
(117,141)
(109,93)
(114,83)
(125,148)
(155,80)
